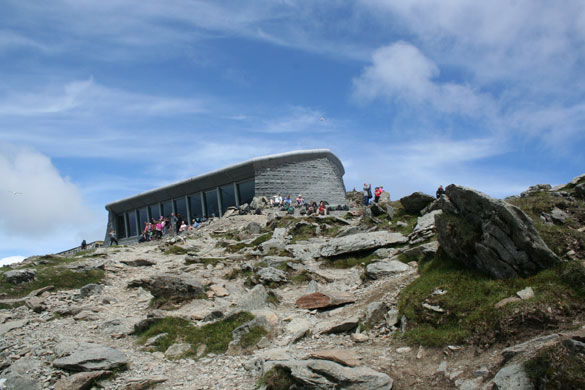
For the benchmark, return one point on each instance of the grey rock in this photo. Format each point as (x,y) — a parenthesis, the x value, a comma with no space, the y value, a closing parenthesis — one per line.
(90,289)
(530,345)
(535,188)
(385,253)
(296,329)
(415,202)
(422,252)
(273,261)
(328,375)
(385,268)
(375,312)
(313,287)
(36,304)
(558,215)
(20,276)
(269,275)
(80,381)
(512,377)
(425,227)
(340,326)
(254,299)
(490,235)
(575,346)
(253,228)
(177,350)
(8,326)
(88,357)
(176,287)
(359,242)
(258,202)
(526,293)
(23,374)
(349,230)
(392,317)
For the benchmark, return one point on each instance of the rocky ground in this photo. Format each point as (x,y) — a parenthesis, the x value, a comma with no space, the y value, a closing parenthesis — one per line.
(323,325)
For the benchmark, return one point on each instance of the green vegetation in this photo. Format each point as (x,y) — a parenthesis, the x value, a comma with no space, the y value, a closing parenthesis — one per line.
(204,260)
(560,238)
(469,313)
(277,378)
(252,337)
(176,250)
(216,336)
(351,260)
(241,245)
(50,271)
(557,368)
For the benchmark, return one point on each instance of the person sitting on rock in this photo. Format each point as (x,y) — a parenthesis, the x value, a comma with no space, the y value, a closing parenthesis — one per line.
(322,208)
(440,191)
(300,201)
(183,227)
(287,201)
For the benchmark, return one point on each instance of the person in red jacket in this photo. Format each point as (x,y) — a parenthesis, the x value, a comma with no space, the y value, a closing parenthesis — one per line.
(377,194)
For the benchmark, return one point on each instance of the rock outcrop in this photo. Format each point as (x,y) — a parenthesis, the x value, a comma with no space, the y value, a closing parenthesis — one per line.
(490,235)
(415,202)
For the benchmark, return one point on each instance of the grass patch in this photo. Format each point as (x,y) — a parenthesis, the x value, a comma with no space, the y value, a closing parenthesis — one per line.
(253,336)
(351,260)
(50,272)
(469,313)
(216,336)
(241,245)
(204,260)
(277,378)
(557,368)
(176,250)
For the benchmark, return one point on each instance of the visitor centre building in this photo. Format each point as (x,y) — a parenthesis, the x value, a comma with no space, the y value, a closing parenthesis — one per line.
(315,174)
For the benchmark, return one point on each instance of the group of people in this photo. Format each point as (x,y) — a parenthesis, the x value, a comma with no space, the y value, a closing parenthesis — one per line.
(367,192)
(155,229)
(287,204)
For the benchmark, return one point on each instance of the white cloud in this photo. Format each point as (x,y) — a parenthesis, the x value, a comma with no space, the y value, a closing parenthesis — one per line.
(298,121)
(35,200)
(401,72)
(87,96)
(11,260)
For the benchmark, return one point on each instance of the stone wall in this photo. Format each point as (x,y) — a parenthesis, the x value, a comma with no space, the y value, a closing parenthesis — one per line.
(317,180)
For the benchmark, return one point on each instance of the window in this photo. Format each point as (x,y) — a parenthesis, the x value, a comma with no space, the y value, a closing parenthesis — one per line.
(211,206)
(195,206)
(121,232)
(142,218)
(155,211)
(181,208)
(228,197)
(132,231)
(167,208)
(246,191)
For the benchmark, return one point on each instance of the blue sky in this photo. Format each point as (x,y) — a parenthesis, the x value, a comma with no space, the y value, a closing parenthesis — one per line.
(100,100)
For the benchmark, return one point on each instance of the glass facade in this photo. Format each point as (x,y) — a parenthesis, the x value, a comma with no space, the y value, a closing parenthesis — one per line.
(142,218)
(121,232)
(211,206)
(155,211)
(228,197)
(246,191)
(195,206)
(167,208)
(181,208)
(132,229)
(131,223)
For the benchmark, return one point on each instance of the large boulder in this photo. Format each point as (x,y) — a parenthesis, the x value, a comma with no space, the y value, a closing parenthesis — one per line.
(490,235)
(415,202)
(359,242)
(20,276)
(384,268)
(176,287)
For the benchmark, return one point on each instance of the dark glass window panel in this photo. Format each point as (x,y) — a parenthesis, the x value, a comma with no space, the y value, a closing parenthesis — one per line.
(142,218)
(167,208)
(155,211)
(246,191)
(228,197)
(181,208)
(132,231)
(211,205)
(195,206)
(121,228)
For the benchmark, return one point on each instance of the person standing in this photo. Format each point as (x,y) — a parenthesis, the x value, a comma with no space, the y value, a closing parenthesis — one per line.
(113,237)
(440,191)
(367,192)
(377,194)
(173,222)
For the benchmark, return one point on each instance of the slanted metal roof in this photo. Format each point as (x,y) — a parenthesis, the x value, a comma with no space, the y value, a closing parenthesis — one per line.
(238,172)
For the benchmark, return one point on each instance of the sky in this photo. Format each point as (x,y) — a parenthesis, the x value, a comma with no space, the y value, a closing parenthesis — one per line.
(100,100)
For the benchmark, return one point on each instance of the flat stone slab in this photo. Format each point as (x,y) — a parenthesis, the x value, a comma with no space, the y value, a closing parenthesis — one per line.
(359,242)
(341,356)
(80,381)
(138,262)
(530,345)
(385,268)
(340,326)
(88,357)
(8,326)
(320,300)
